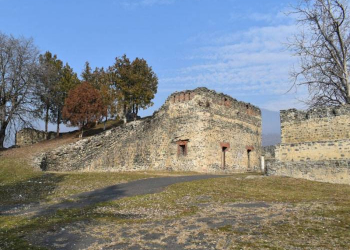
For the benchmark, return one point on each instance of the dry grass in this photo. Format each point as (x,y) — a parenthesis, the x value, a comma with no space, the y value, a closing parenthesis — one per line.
(21,184)
(301,214)
(27,152)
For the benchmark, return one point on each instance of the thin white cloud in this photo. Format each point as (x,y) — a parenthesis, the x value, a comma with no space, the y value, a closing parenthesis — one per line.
(284,102)
(267,17)
(248,63)
(272,16)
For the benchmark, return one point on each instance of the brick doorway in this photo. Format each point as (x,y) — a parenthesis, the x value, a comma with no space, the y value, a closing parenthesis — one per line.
(224,148)
(249,150)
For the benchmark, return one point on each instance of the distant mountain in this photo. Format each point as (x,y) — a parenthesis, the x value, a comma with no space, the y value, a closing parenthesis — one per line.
(271,127)
(271,139)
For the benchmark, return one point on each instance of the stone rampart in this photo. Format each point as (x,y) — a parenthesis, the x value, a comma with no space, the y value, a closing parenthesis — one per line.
(29,136)
(198,130)
(333,171)
(315,145)
(268,152)
(323,124)
(314,151)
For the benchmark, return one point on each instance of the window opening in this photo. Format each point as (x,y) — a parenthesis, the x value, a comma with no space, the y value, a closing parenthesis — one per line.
(182,148)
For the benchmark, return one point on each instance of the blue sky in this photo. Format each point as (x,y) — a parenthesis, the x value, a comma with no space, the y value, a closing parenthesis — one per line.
(235,47)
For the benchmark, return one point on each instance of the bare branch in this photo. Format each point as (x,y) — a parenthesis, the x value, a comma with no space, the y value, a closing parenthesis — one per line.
(322,47)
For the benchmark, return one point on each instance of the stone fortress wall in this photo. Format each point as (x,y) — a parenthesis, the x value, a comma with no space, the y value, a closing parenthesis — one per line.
(315,145)
(198,130)
(29,136)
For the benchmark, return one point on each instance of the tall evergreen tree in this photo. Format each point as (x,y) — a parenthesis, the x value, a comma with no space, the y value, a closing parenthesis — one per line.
(68,81)
(135,84)
(86,75)
(145,84)
(120,75)
(49,77)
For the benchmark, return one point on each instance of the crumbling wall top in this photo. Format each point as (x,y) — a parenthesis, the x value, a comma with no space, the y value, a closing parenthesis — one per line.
(294,115)
(219,98)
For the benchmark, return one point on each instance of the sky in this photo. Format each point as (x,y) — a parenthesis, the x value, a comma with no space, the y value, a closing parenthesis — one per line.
(235,47)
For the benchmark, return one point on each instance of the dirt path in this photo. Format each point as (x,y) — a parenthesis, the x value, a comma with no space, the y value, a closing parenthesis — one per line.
(139,187)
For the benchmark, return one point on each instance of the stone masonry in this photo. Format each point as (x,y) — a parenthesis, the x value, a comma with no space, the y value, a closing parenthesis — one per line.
(198,130)
(29,136)
(315,145)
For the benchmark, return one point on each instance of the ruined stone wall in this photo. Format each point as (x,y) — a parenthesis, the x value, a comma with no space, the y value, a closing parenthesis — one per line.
(268,152)
(315,145)
(333,171)
(188,133)
(29,136)
(323,124)
(314,151)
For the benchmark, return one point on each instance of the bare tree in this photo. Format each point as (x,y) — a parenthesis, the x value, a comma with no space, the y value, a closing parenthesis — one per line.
(18,67)
(323,48)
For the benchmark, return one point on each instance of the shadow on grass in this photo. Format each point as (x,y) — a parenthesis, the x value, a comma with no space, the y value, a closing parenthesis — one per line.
(111,193)
(47,227)
(83,200)
(46,231)
(32,190)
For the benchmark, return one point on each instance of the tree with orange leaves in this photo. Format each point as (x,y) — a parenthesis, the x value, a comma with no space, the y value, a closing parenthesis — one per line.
(83,107)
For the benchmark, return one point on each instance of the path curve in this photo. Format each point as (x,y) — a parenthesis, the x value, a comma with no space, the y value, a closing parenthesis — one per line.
(110,193)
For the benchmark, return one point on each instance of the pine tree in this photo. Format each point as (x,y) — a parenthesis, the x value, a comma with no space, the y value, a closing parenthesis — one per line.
(68,81)
(86,75)
(135,84)
(49,75)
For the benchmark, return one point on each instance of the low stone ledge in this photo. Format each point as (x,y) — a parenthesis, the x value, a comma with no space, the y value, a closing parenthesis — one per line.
(333,171)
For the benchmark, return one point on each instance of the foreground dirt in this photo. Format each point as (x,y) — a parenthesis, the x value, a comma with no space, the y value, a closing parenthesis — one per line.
(240,225)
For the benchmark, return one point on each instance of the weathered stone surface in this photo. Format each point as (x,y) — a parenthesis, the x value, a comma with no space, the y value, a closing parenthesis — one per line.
(315,145)
(322,124)
(188,133)
(29,136)
(268,152)
(334,171)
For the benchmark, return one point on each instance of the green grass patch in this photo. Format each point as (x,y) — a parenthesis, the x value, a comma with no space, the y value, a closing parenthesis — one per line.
(21,184)
(16,170)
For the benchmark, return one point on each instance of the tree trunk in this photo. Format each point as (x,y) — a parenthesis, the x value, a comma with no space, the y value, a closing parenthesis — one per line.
(124,113)
(347,79)
(3,134)
(348,93)
(47,123)
(104,124)
(58,124)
